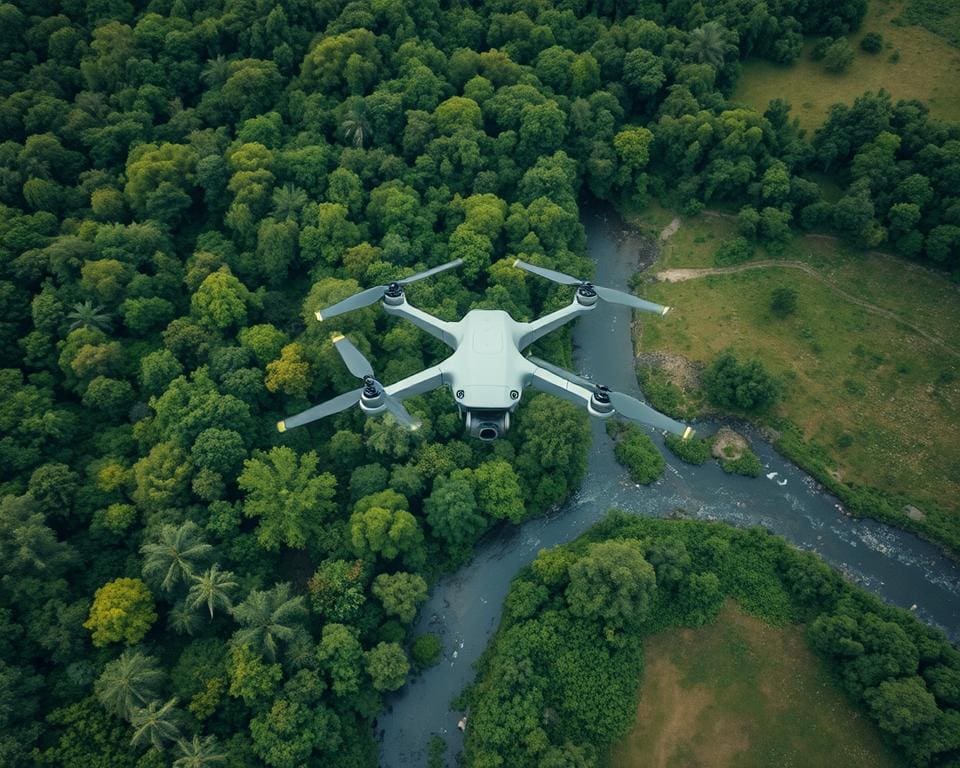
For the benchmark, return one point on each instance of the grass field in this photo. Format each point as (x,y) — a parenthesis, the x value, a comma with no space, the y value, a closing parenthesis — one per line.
(742,693)
(883,401)
(928,69)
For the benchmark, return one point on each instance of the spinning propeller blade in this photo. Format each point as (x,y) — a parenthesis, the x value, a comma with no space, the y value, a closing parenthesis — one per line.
(611,295)
(373,295)
(623,404)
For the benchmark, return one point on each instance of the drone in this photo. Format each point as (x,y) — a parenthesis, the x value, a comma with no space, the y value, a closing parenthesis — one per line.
(487,372)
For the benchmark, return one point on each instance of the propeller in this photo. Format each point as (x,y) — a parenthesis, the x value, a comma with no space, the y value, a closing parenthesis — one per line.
(373,295)
(360,367)
(611,295)
(623,404)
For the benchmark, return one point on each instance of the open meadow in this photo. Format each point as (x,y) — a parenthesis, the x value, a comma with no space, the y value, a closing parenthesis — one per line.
(869,360)
(915,63)
(742,693)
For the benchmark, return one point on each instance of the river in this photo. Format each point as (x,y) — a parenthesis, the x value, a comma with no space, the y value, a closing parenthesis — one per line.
(464,607)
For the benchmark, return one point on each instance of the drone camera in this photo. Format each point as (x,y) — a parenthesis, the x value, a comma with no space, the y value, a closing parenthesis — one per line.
(487,425)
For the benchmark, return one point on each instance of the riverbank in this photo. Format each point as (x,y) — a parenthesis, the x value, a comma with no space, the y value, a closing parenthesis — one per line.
(871,403)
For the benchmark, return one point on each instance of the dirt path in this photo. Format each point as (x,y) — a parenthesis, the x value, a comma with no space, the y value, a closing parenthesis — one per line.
(679,275)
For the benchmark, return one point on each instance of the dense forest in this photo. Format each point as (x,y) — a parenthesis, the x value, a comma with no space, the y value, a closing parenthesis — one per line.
(184,183)
(558,685)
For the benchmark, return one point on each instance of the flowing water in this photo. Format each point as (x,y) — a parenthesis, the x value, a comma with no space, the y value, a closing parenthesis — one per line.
(464,607)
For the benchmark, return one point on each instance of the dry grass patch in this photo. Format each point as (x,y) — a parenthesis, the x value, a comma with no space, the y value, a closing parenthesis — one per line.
(742,693)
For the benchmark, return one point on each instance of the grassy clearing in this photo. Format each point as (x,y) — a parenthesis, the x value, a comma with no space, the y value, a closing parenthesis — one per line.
(928,69)
(882,401)
(742,693)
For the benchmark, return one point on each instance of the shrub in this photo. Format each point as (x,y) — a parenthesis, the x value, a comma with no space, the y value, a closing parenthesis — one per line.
(872,42)
(425,650)
(734,251)
(783,301)
(745,386)
(693,450)
(639,455)
(747,465)
(819,49)
(839,56)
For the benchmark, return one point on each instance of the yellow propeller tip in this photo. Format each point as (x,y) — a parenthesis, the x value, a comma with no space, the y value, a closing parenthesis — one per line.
(665,310)
(516,262)
(336,337)
(319,316)
(687,433)
(281,427)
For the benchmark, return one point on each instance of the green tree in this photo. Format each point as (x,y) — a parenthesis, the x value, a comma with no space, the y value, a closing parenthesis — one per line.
(127,683)
(902,706)
(212,588)
(638,454)
(268,618)
(86,314)
(155,724)
(381,526)
(400,594)
(746,386)
(708,44)
(250,678)
(426,650)
(175,555)
(387,665)
(341,655)
(451,511)
(222,301)
(287,496)
(613,583)
(198,752)
(498,491)
(839,56)
(286,735)
(122,609)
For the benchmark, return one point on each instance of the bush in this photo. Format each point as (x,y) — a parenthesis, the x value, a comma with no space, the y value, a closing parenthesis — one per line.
(693,450)
(744,386)
(872,42)
(819,49)
(425,650)
(747,465)
(783,301)
(639,455)
(734,251)
(839,56)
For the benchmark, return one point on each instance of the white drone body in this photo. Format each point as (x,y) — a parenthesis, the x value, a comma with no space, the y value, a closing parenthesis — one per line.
(487,372)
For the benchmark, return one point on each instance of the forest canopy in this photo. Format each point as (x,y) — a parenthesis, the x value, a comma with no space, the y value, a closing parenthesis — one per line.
(184,183)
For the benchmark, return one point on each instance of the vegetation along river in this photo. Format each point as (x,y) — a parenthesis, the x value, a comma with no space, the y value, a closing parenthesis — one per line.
(464,607)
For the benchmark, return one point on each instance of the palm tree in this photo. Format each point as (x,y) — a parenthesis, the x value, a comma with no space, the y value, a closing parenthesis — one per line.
(708,44)
(182,619)
(155,724)
(128,682)
(86,314)
(355,128)
(216,72)
(268,617)
(288,202)
(212,588)
(175,556)
(198,752)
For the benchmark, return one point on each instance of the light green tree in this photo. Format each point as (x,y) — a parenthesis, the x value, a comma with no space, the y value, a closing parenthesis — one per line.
(175,555)
(128,682)
(287,495)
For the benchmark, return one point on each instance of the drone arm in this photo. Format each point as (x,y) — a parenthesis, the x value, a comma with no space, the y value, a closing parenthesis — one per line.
(417,383)
(543,326)
(439,329)
(549,382)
